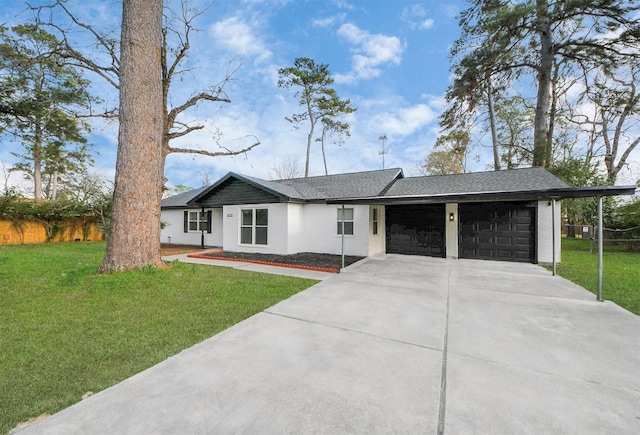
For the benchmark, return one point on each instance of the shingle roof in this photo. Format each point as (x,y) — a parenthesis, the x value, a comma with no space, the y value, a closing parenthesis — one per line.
(180,200)
(516,180)
(355,184)
(386,183)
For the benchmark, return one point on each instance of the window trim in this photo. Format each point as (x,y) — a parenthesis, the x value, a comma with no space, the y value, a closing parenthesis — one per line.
(341,222)
(203,221)
(254,226)
(375,218)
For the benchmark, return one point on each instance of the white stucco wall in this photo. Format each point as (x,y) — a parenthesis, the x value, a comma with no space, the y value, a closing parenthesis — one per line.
(174,220)
(277,238)
(545,237)
(319,232)
(451,230)
(296,236)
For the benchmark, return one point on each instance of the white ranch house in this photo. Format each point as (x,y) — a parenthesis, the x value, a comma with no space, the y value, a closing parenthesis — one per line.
(509,215)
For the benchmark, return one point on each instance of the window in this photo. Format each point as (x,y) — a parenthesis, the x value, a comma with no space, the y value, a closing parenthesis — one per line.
(253,226)
(374,219)
(196,221)
(348,220)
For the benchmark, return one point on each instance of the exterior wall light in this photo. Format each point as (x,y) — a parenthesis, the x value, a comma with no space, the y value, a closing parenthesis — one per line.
(451,217)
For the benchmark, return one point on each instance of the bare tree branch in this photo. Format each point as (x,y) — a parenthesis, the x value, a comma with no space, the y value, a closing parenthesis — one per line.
(226,151)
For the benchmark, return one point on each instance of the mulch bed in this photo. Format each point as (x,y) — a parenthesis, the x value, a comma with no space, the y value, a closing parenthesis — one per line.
(166,249)
(304,260)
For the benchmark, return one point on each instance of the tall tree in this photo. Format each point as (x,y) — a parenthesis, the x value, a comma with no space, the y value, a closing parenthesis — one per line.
(514,123)
(320,102)
(449,155)
(46,98)
(135,229)
(532,38)
(337,129)
(287,168)
(616,99)
(177,29)
(134,239)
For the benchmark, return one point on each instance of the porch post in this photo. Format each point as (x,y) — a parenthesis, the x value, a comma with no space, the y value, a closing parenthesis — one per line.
(342,236)
(201,229)
(600,244)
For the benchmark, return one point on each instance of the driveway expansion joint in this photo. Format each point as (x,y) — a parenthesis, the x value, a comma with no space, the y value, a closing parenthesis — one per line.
(341,328)
(445,345)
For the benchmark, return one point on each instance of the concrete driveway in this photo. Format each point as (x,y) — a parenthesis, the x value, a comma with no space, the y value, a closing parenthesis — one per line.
(395,344)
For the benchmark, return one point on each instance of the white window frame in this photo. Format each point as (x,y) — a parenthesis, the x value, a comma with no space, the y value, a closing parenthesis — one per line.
(200,221)
(375,218)
(254,226)
(347,211)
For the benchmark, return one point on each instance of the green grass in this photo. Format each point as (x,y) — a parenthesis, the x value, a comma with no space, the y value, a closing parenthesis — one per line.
(64,330)
(621,272)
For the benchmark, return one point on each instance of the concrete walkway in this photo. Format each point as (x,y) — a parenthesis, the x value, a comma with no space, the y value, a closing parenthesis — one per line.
(395,344)
(253,267)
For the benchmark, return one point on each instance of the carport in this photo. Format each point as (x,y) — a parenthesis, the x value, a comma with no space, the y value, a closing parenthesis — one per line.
(499,215)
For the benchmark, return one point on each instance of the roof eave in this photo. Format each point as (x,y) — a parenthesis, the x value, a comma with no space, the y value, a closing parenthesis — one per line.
(555,193)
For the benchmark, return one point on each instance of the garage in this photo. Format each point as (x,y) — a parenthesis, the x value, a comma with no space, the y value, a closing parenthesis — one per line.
(416,229)
(498,231)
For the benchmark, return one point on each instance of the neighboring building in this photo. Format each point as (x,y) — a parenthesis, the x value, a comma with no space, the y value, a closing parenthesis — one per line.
(502,215)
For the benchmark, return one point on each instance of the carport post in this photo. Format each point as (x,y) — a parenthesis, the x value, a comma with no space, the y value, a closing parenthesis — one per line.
(342,236)
(600,249)
(553,234)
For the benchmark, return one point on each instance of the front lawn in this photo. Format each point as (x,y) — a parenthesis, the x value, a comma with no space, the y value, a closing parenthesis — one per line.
(64,330)
(621,272)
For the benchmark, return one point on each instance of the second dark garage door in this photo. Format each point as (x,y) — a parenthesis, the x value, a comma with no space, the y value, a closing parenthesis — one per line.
(415,229)
(497,231)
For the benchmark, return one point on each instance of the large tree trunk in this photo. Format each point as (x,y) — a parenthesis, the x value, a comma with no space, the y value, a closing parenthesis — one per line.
(37,162)
(541,143)
(492,125)
(134,240)
(312,123)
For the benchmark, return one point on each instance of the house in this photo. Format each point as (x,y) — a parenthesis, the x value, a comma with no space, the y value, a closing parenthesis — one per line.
(511,215)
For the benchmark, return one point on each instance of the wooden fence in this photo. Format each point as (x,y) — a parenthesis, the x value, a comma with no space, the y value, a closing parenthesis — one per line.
(35,232)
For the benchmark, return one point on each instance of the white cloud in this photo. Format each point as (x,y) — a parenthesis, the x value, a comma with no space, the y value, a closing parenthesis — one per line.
(426,24)
(404,121)
(341,4)
(329,21)
(416,17)
(372,51)
(238,36)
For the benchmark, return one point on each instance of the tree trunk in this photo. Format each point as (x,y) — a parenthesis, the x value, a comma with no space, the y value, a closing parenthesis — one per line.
(492,124)
(134,240)
(541,143)
(54,185)
(37,162)
(309,140)
(324,157)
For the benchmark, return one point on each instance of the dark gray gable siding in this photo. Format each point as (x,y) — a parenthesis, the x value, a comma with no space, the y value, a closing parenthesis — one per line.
(235,192)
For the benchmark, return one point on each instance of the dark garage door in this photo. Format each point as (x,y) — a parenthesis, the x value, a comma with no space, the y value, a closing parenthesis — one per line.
(497,231)
(415,229)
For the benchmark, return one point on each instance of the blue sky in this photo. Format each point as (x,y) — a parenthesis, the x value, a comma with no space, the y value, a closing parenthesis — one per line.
(389,57)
